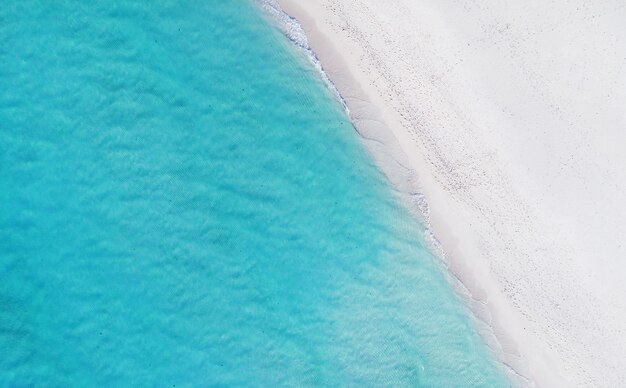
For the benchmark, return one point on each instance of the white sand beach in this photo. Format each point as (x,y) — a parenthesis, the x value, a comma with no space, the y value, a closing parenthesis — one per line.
(512,115)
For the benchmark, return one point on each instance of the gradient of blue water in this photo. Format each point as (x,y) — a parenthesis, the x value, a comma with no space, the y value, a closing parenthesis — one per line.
(183,203)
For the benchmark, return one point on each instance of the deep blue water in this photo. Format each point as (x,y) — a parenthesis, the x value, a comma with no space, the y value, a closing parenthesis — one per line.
(182,202)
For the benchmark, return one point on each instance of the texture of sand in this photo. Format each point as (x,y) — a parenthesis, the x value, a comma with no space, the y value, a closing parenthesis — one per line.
(511,118)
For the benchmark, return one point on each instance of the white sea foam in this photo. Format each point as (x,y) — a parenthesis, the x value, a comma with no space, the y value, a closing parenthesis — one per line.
(293,30)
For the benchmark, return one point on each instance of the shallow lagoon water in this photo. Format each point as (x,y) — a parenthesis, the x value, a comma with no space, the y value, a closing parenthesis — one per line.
(183,202)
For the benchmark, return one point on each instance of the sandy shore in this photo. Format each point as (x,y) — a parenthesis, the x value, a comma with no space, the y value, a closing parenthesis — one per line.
(511,119)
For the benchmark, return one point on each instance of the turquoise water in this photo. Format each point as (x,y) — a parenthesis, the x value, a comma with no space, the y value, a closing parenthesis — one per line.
(182,202)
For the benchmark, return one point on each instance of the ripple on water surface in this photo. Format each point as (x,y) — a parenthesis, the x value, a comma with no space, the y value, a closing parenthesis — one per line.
(182,202)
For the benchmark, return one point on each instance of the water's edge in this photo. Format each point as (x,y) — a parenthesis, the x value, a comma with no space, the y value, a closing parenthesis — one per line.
(392,162)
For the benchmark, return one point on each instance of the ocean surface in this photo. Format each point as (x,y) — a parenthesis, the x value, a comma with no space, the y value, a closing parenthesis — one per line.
(184,203)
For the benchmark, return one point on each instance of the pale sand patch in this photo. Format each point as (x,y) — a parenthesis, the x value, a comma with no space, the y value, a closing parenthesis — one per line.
(513,117)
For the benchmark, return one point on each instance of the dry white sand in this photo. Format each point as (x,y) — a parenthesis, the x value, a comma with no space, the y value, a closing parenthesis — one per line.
(512,114)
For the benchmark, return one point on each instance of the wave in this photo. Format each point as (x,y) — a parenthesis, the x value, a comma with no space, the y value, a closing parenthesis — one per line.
(293,30)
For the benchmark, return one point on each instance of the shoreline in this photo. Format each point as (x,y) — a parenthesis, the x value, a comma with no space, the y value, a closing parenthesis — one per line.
(513,302)
(391,158)
(393,162)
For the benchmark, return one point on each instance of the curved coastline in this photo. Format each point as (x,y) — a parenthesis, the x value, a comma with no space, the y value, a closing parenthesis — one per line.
(385,146)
